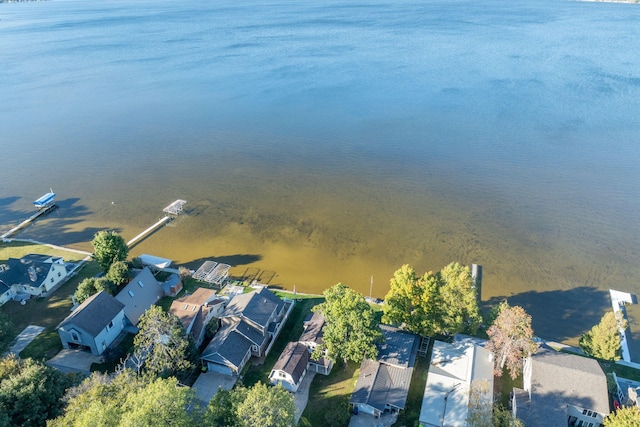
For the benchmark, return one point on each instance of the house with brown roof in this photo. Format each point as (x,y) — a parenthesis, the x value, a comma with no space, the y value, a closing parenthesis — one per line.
(94,324)
(196,310)
(560,390)
(291,367)
(383,384)
(249,326)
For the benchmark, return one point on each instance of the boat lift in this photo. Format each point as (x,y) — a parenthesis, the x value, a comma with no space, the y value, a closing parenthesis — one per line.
(45,201)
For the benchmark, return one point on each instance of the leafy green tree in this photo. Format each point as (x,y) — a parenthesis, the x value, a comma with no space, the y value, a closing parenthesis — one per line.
(221,410)
(7,332)
(441,303)
(629,416)
(163,344)
(510,339)
(118,273)
(351,330)
(458,300)
(502,417)
(266,406)
(92,285)
(412,301)
(109,247)
(603,340)
(129,400)
(30,391)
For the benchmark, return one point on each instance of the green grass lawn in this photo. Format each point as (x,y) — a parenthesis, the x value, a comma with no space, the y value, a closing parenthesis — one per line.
(47,312)
(329,396)
(291,331)
(410,417)
(20,249)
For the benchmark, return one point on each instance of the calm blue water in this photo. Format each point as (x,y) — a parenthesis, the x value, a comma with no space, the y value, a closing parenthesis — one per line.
(333,141)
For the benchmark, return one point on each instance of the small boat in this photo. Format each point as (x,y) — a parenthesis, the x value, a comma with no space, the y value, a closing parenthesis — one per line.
(45,201)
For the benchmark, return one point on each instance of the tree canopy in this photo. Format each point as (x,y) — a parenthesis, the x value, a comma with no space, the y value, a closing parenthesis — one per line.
(629,416)
(266,406)
(510,339)
(91,285)
(351,330)
(603,340)
(118,273)
(436,303)
(109,247)
(30,391)
(129,400)
(163,344)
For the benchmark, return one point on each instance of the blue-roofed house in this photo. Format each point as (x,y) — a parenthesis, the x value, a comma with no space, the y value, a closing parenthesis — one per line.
(249,326)
(33,274)
(383,384)
(138,295)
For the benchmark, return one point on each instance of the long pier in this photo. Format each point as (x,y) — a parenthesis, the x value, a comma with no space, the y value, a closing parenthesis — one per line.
(149,230)
(27,221)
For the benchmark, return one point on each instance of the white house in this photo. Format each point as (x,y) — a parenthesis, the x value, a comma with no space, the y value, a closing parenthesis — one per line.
(33,274)
(291,367)
(453,369)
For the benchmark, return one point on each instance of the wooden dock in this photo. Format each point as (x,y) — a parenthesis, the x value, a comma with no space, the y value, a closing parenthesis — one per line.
(28,221)
(149,230)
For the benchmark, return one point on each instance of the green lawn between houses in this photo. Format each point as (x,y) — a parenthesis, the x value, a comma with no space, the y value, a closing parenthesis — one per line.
(47,312)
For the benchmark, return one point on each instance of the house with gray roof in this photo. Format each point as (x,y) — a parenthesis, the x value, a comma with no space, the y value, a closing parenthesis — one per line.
(563,389)
(138,295)
(94,324)
(33,274)
(383,384)
(249,325)
(291,366)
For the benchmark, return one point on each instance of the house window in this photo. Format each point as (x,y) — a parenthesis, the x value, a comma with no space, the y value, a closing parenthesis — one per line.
(104,345)
(52,280)
(131,293)
(59,274)
(140,283)
(254,348)
(110,325)
(75,336)
(185,306)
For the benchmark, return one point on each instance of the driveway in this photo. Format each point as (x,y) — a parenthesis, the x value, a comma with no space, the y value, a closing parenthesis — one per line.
(208,383)
(302,395)
(69,361)
(26,336)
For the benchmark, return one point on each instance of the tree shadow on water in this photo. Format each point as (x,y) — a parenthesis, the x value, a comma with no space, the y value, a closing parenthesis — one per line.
(560,315)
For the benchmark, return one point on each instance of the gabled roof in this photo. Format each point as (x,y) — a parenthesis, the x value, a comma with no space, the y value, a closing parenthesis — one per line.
(94,314)
(257,306)
(3,287)
(227,347)
(188,307)
(387,380)
(313,329)
(251,333)
(561,379)
(293,360)
(18,272)
(141,293)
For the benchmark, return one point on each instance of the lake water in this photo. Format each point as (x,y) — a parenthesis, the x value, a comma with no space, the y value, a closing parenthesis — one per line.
(335,141)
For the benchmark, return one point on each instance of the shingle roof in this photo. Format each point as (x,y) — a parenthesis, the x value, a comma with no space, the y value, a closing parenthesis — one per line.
(561,379)
(137,299)
(293,360)
(227,346)
(94,314)
(387,381)
(18,271)
(188,307)
(257,306)
(313,329)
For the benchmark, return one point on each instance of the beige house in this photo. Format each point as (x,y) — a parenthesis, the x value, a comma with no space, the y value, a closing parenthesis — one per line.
(196,310)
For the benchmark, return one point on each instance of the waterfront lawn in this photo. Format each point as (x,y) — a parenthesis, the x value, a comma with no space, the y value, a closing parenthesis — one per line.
(47,312)
(331,391)
(291,331)
(19,249)
(411,415)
